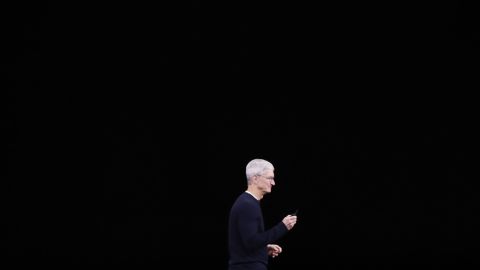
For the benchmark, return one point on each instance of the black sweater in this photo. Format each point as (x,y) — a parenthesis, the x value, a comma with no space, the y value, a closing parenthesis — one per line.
(247,238)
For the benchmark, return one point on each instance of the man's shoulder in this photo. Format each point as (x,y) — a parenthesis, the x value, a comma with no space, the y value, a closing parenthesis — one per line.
(244,196)
(245,200)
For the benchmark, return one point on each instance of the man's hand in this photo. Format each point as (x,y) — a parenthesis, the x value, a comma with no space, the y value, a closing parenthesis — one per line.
(289,221)
(274,250)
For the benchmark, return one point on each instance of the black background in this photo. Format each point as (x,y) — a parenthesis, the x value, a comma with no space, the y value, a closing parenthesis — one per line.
(129,128)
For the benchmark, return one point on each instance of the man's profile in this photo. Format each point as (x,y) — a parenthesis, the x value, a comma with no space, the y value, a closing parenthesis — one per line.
(249,243)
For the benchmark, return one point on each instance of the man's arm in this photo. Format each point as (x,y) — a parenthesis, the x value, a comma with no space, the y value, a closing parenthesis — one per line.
(249,222)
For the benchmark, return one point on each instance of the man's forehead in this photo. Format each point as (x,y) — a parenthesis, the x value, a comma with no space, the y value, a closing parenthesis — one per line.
(270,172)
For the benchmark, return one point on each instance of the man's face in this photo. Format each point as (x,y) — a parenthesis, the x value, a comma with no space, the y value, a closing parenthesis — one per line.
(265,181)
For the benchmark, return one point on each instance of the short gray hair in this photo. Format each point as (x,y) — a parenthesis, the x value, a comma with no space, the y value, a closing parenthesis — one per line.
(257,167)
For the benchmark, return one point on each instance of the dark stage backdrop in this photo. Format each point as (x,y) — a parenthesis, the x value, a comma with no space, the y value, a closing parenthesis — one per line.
(387,191)
(129,127)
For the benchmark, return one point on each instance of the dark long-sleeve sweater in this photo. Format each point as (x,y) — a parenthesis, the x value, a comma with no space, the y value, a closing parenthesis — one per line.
(247,238)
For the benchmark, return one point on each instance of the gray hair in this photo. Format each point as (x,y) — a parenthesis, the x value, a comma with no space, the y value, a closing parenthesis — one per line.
(257,167)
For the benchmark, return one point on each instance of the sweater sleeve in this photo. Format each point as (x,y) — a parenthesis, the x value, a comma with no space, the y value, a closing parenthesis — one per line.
(252,236)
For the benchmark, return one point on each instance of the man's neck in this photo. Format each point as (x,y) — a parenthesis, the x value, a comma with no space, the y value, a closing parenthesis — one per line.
(257,195)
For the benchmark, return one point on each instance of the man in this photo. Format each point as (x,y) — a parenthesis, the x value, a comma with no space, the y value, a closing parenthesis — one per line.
(248,242)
